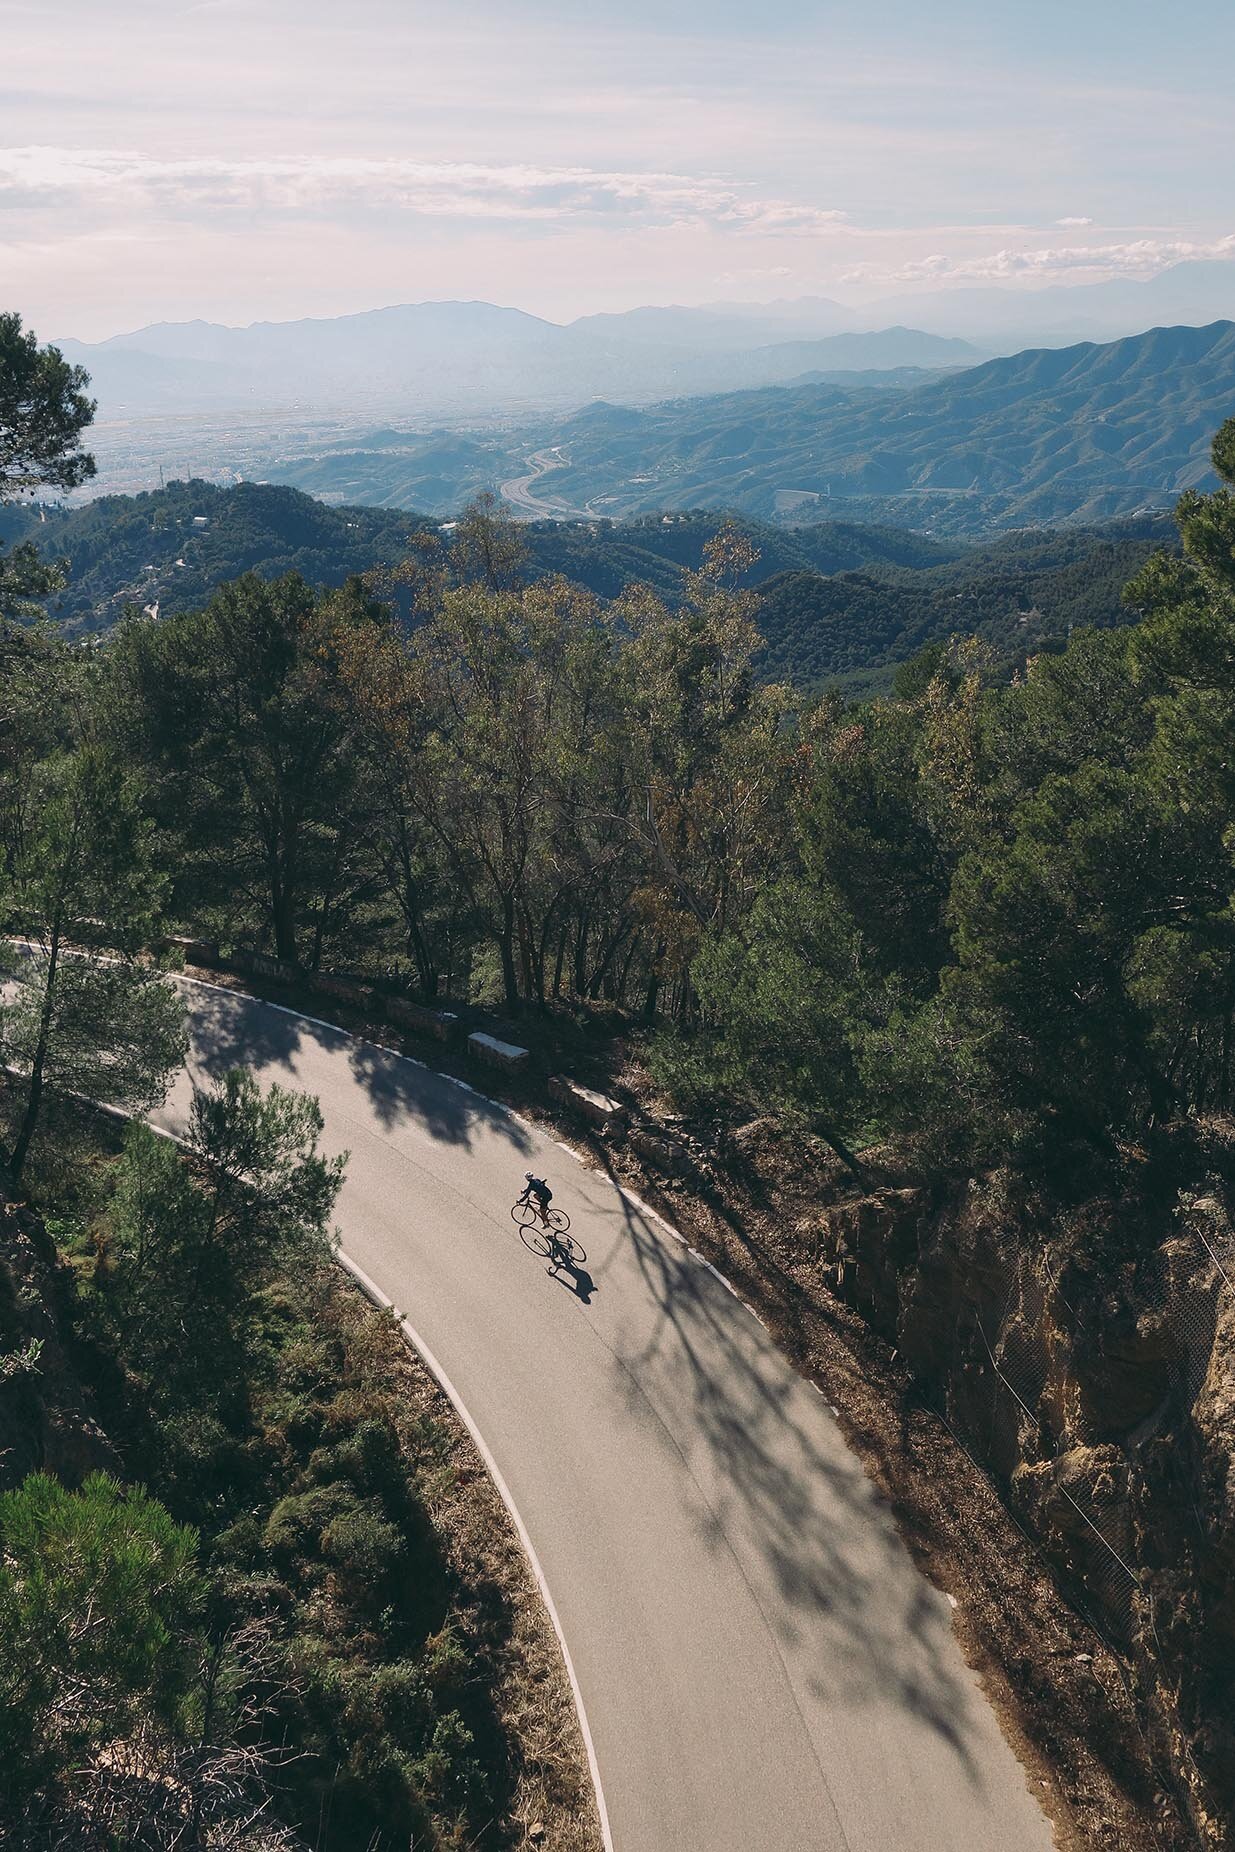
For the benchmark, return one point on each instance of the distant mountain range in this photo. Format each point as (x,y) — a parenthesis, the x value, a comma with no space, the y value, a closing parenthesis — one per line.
(1047,436)
(1001,320)
(474,358)
(1084,432)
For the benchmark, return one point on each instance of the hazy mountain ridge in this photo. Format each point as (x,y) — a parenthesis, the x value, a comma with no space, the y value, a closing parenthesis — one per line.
(1087,432)
(479,357)
(476,356)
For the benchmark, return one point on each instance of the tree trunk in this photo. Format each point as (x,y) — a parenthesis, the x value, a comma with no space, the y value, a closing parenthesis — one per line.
(34,1097)
(506,948)
(581,937)
(413,914)
(837,1144)
(283,917)
(560,960)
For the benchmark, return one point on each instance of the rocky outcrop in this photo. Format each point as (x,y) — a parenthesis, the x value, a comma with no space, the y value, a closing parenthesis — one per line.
(1085,1353)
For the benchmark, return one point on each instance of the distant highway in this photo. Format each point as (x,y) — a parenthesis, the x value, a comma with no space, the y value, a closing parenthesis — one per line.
(520,493)
(762,1667)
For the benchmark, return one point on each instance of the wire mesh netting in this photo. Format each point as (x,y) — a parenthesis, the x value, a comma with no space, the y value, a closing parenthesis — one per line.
(1000,1402)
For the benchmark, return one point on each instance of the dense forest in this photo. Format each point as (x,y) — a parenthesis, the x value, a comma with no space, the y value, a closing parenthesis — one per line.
(839,602)
(986,918)
(1023,596)
(174,546)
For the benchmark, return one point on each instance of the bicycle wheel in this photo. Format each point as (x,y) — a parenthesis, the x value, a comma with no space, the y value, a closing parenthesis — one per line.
(525,1214)
(559,1219)
(537,1239)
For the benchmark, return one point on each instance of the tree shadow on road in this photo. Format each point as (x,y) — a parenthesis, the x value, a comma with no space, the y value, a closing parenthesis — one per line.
(400,1088)
(231,1029)
(872,1630)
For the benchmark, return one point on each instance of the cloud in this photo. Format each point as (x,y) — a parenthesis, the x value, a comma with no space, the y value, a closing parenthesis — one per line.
(1074,222)
(45,177)
(1143,257)
(760,273)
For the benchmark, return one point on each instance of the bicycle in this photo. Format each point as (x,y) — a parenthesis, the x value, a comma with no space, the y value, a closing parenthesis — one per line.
(549,1237)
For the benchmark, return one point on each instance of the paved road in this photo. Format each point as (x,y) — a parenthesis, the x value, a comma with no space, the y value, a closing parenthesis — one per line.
(520,491)
(763,1669)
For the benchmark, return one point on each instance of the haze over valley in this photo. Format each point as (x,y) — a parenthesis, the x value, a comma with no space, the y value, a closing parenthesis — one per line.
(1048,435)
(617,926)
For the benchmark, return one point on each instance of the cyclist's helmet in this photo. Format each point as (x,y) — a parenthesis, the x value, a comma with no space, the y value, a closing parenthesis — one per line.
(529,1176)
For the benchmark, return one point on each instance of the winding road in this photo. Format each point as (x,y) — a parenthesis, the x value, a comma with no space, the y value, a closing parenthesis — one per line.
(761,1666)
(520,491)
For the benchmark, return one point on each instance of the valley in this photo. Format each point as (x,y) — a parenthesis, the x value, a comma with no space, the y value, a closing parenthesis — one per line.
(617,960)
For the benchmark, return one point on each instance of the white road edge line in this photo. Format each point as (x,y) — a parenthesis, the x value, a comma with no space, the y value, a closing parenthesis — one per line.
(373,1292)
(426,1355)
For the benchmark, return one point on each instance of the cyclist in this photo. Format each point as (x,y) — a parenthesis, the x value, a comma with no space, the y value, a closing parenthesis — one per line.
(537,1187)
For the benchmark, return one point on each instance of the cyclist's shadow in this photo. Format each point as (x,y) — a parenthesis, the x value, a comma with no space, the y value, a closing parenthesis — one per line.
(574,1278)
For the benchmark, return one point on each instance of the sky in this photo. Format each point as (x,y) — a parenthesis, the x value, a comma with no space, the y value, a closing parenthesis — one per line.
(264,159)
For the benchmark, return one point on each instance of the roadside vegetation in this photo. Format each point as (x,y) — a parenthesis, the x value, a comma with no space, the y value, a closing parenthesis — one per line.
(255,1589)
(287,1610)
(981,927)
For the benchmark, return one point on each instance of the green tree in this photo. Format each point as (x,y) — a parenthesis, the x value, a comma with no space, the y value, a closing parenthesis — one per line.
(709,758)
(778,1003)
(43,412)
(516,695)
(192,1243)
(99,1598)
(252,759)
(84,869)
(488,548)
(1049,929)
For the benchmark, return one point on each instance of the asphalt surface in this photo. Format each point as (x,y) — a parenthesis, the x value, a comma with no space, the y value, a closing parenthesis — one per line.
(520,491)
(762,1667)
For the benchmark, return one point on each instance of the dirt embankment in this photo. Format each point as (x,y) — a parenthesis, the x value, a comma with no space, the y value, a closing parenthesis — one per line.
(1046,1392)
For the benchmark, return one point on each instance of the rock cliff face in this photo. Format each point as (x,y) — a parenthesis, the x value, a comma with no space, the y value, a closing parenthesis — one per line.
(1085,1353)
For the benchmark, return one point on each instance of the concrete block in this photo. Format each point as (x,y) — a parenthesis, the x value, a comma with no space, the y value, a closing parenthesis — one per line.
(342,989)
(261,964)
(441,1024)
(195,951)
(597,1108)
(497,1054)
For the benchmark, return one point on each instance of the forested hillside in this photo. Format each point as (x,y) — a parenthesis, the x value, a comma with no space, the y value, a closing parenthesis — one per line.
(174,546)
(1083,432)
(1021,595)
(839,600)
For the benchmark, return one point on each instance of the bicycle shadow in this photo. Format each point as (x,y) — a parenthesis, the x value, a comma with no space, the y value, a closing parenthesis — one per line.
(579,1282)
(565,1269)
